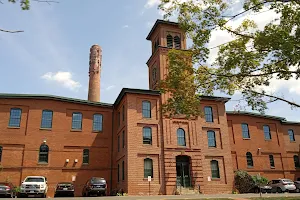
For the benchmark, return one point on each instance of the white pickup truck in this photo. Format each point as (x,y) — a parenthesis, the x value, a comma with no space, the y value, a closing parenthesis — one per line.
(34,185)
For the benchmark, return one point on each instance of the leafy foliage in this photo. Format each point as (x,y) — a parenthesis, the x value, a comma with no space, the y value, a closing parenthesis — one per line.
(248,63)
(243,181)
(260,180)
(25,4)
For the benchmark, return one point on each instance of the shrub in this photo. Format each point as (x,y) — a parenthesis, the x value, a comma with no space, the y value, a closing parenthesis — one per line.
(243,181)
(260,181)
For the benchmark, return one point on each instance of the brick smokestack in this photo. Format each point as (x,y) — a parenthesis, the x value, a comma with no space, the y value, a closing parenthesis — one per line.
(94,73)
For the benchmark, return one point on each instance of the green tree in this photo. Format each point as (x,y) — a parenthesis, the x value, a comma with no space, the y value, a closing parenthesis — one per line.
(25,5)
(247,64)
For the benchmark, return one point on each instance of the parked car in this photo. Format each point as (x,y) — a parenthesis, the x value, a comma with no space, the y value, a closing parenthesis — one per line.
(95,186)
(7,189)
(282,185)
(297,184)
(34,185)
(64,189)
(263,188)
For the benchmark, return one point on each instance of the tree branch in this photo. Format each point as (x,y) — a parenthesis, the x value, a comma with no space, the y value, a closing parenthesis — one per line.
(277,98)
(8,31)
(239,34)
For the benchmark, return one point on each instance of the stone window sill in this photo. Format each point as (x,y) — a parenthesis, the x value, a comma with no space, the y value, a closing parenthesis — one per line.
(246,138)
(46,129)
(43,163)
(76,130)
(97,131)
(215,179)
(13,127)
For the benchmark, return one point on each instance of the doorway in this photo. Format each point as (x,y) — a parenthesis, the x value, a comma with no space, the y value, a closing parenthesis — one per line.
(183,171)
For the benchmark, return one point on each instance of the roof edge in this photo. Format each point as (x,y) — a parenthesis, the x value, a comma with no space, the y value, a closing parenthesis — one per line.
(282,119)
(51,97)
(160,21)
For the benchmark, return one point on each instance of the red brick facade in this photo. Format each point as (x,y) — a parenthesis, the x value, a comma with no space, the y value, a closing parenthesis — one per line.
(179,150)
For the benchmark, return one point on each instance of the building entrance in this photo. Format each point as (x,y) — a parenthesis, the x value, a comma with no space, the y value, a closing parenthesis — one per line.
(183,171)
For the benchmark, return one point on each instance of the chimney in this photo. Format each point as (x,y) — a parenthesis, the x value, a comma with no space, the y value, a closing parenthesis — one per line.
(94,73)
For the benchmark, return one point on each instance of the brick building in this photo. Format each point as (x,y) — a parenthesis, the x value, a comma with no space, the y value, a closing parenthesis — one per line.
(69,139)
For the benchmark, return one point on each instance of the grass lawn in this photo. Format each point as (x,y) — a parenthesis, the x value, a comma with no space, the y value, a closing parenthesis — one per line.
(276,198)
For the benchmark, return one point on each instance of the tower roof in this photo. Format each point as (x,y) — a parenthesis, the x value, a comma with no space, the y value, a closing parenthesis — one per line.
(159,21)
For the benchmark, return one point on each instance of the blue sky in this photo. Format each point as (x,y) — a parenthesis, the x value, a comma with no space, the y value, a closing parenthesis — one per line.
(52,55)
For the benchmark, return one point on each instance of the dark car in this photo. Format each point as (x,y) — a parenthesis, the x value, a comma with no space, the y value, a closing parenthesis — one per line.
(64,189)
(297,184)
(262,189)
(95,186)
(7,189)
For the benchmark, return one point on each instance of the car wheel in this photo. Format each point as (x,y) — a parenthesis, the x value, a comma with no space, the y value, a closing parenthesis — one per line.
(279,190)
(297,190)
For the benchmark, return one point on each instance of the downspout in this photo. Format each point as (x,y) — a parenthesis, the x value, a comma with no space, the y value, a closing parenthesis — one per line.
(112,150)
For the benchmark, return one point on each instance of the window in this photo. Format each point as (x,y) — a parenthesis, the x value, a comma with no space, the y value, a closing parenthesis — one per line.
(148,168)
(86,156)
(272,163)
(296,161)
(146,109)
(177,42)
(147,135)
(214,165)
(46,119)
(118,143)
(118,173)
(208,114)
(169,41)
(15,117)
(123,139)
(291,135)
(77,121)
(249,160)
(119,119)
(1,153)
(245,131)
(181,137)
(211,136)
(123,171)
(97,122)
(43,154)
(123,113)
(154,74)
(267,132)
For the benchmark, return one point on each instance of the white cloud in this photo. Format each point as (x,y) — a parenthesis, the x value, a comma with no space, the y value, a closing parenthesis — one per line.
(152,3)
(110,87)
(63,78)
(125,26)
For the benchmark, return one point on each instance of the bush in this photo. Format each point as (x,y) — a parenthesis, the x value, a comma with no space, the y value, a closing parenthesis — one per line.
(243,181)
(260,181)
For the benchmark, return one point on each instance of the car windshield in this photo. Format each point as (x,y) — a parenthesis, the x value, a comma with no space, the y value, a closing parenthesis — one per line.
(287,180)
(32,179)
(98,180)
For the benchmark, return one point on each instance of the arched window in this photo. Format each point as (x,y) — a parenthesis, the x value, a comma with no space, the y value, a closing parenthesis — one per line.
(208,114)
(272,163)
(1,153)
(15,117)
(86,156)
(291,135)
(97,122)
(177,42)
(148,168)
(77,121)
(211,136)
(249,160)
(181,137)
(146,109)
(169,41)
(123,170)
(215,172)
(245,131)
(47,119)
(154,74)
(43,154)
(296,161)
(147,135)
(267,132)
(118,173)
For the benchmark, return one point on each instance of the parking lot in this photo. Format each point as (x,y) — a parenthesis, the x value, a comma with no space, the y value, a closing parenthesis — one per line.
(186,197)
